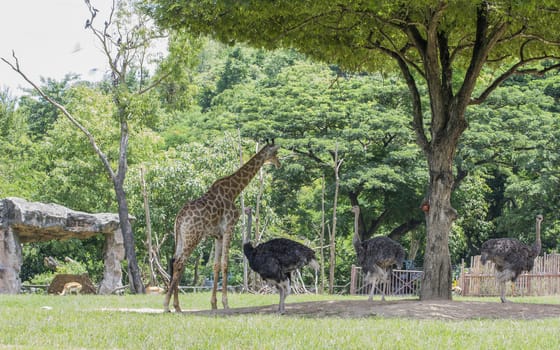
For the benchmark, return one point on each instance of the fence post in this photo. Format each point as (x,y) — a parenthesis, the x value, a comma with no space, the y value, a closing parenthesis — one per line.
(353,280)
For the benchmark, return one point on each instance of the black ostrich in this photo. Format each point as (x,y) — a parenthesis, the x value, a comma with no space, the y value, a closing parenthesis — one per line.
(275,260)
(376,256)
(511,257)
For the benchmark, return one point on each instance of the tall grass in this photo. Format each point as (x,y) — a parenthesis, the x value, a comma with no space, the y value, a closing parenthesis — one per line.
(102,322)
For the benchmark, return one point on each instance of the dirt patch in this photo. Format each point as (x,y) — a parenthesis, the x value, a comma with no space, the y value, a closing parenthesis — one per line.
(406,308)
(413,309)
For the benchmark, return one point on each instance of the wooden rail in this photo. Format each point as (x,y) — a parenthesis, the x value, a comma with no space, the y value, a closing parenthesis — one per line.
(402,282)
(543,279)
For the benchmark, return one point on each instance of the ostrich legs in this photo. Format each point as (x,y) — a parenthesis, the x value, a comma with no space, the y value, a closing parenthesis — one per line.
(275,260)
(376,256)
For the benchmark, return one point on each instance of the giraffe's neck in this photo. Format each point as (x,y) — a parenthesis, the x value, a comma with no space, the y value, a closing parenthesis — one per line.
(232,185)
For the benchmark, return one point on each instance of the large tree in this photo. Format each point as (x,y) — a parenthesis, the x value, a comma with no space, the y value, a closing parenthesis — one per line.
(128,39)
(362,113)
(443,45)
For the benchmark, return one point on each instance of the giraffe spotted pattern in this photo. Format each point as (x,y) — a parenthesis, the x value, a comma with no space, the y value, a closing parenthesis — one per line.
(213,215)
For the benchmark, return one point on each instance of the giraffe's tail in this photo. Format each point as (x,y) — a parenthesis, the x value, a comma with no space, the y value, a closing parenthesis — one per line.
(171,263)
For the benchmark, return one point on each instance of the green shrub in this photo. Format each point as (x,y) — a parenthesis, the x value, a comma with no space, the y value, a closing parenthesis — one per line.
(67,267)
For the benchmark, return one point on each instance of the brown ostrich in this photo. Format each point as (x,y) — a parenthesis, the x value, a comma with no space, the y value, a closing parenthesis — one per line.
(511,257)
(376,256)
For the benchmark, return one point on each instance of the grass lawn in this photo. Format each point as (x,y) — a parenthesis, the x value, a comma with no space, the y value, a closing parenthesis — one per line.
(94,322)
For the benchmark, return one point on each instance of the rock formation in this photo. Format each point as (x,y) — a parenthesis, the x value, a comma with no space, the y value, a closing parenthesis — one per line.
(24,222)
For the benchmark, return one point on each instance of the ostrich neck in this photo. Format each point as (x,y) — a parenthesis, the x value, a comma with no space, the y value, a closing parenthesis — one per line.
(537,245)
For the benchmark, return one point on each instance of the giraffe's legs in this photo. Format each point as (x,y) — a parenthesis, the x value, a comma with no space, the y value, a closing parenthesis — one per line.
(169,293)
(168,296)
(217,258)
(225,258)
(178,267)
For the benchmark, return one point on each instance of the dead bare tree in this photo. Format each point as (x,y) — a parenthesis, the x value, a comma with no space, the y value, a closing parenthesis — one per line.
(322,235)
(148,227)
(336,167)
(125,38)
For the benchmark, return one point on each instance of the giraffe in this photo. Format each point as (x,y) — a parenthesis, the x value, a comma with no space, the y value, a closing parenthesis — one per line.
(214,214)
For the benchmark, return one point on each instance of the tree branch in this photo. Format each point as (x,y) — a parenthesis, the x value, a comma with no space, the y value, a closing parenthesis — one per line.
(155,83)
(482,46)
(309,155)
(103,35)
(123,147)
(400,52)
(16,67)
(541,39)
(402,229)
(430,51)
(513,70)
(303,23)
(446,69)
(375,224)
(418,118)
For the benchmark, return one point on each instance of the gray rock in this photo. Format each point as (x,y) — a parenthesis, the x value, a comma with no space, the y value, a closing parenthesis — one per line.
(24,222)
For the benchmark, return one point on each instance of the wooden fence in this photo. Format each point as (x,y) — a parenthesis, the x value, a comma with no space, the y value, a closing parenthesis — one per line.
(543,279)
(402,283)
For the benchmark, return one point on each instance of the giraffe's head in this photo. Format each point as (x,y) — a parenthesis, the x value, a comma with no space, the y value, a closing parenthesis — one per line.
(269,153)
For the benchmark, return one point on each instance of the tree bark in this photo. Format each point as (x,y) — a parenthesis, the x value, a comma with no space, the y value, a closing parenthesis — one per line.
(322,236)
(134,276)
(439,215)
(195,270)
(148,228)
(246,222)
(446,126)
(332,261)
(398,232)
(247,238)
(436,281)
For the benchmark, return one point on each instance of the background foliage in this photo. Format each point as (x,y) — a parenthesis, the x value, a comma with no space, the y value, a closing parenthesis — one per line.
(507,166)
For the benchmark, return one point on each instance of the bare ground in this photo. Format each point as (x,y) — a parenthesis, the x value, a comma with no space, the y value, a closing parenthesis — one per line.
(407,308)
(413,309)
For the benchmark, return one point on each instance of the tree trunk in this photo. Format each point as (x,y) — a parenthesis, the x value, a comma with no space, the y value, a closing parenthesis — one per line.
(153,281)
(247,238)
(332,260)
(244,224)
(322,236)
(195,268)
(436,282)
(134,276)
